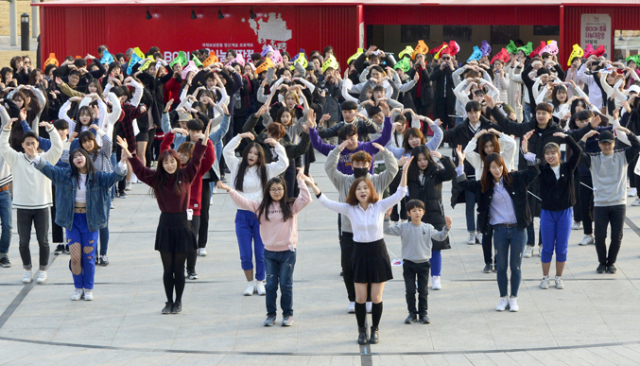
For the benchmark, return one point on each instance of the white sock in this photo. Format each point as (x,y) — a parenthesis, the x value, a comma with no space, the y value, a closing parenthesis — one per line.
(558,277)
(545,277)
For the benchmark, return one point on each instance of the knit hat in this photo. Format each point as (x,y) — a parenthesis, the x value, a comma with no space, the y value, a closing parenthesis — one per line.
(352,58)
(300,59)
(51,60)
(276,57)
(183,116)
(512,48)
(501,56)
(266,50)
(330,63)
(635,59)
(634,89)
(191,67)
(551,47)
(404,64)
(211,59)
(527,49)
(476,55)
(577,52)
(406,52)
(420,48)
(265,65)
(606,136)
(485,48)
(107,58)
(132,61)
(182,59)
(454,48)
(196,61)
(536,52)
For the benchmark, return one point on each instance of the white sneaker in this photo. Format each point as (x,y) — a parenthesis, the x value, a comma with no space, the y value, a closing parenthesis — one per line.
(127,187)
(369,307)
(472,238)
(88,295)
(42,277)
(528,252)
(27,277)
(435,283)
(112,205)
(214,190)
(587,240)
(503,305)
(479,237)
(576,226)
(632,193)
(251,288)
(202,252)
(351,308)
(513,304)
(260,288)
(544,284)
(559,283)
(636,202)
(539,250)
(77,295)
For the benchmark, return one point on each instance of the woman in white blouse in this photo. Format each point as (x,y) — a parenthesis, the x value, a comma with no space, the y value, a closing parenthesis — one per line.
(370,262)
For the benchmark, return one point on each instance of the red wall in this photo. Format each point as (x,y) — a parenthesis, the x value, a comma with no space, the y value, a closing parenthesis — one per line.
(80,30)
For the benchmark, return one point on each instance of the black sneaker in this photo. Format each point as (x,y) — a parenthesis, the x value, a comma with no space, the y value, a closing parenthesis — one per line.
(104,261)
(192,276)
(122,195)
(424,319)
(412,318)
(167,308)
(177,308)
(59,249)
(601,268)
(270,321)
(494,268)
(4,262)
(487,268)
(611,268)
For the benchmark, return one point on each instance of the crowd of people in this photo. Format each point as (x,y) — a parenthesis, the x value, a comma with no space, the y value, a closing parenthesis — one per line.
(528,139)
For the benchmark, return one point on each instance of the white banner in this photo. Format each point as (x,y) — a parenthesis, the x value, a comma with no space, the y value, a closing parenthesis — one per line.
(596,29)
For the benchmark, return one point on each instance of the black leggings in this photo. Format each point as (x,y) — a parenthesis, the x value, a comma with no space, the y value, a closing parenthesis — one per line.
(173,264)
(192,255)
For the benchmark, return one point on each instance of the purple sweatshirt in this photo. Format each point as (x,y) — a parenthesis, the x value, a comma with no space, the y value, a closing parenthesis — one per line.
(344,165)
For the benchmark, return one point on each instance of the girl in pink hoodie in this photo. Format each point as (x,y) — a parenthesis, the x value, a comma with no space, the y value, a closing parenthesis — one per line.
(279,231)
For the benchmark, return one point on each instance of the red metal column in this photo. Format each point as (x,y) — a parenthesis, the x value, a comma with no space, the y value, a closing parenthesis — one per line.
(562,38)
(362,28)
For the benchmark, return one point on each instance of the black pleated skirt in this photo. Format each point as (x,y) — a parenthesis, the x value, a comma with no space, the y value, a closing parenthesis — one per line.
(370,262)
(175,233)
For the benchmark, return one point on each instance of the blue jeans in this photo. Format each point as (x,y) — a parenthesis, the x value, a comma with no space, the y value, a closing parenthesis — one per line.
(280,267)
(80,235)
(114,162)
(527,112)
(5,219)
(470,211)
(555,227)
(436,262)
(504,239)
(459,120)
(248,231)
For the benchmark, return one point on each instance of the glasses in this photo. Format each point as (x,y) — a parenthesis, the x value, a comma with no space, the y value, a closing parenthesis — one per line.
(276,190)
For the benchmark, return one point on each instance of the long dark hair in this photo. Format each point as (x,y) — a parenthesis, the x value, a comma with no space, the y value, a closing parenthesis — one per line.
(89,136)
(83,109)
(89,164)
(285,204)
(487,181)
(554,96)
(161,176)
(488,137)
(414,171)
(244,165)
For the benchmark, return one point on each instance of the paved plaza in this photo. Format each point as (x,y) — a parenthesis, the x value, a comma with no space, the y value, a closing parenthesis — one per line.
(595,320)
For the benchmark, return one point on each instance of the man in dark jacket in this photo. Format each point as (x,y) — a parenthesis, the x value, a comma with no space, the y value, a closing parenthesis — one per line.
(444,98)
(422,92)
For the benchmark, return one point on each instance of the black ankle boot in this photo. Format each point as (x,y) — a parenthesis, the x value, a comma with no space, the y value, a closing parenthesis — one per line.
(362,335)
(374,336)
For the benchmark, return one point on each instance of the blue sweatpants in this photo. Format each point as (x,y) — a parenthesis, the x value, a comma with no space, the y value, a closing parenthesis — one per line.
(436,262)
(556,228)
(248,231)
(87,240)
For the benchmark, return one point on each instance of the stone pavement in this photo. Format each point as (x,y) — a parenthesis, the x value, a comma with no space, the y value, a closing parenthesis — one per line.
(593,321)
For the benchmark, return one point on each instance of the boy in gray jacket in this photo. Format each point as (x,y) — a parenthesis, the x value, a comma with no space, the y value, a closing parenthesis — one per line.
(416,251)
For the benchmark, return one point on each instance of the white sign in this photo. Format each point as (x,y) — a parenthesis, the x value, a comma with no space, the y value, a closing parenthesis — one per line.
(596,30)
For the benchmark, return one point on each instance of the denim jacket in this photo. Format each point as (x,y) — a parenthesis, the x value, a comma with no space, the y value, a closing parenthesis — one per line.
(98,188)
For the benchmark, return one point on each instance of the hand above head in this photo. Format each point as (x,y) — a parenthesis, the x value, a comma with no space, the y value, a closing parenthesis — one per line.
(167,106)
(480,133)
(247,135)
(343,145)
(378,146)
(560,134)
(436,154)
(461,155)
(125,148)
(489,101)
(270,141)
(23,114)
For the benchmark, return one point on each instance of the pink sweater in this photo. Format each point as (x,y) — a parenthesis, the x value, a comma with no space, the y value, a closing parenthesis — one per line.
(277,235)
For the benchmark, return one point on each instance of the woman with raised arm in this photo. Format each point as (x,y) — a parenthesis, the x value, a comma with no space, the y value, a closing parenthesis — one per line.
(171,185)
(370,261)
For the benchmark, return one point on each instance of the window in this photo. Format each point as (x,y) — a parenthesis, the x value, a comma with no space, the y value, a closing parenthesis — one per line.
(414,33)
(546,30)
(459,33)
(626,43)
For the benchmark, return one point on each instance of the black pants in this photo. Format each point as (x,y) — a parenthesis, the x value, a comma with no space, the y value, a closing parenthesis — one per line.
(604,216)
(586,204)
(290,177)
(441,111)
(57,233)
(634,180)
(205,204)
(192,255)
(40,219)
(150,142)
(173,276)
(123,183)
(487,244)
(416,271)
(346,252)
